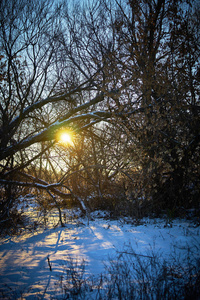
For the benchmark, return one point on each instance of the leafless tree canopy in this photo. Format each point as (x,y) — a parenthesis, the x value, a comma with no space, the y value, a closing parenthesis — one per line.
(123,76)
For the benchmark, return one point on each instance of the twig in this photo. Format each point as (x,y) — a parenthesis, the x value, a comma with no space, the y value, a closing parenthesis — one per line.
(49,263)
(136,254)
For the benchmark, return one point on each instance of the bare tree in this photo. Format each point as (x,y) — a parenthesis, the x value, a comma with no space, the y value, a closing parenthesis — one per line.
(160,56)
(42,90)
(148,51)
(134,64)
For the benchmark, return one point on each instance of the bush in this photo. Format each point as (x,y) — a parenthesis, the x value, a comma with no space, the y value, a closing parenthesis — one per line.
(133,276)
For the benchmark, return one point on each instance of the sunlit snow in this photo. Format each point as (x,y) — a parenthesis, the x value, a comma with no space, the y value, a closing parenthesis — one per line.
(24,259)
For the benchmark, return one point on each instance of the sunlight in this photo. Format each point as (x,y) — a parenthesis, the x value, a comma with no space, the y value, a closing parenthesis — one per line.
(65,137)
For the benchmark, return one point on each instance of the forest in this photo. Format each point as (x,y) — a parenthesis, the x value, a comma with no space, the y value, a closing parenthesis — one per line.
(99,108)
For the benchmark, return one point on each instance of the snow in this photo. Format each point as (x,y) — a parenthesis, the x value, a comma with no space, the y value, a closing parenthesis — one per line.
(25,260)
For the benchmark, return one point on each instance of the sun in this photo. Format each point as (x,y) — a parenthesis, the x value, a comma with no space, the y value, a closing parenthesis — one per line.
(65,137)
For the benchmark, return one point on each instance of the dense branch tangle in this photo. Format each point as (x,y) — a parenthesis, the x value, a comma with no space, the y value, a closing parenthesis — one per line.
(123,75)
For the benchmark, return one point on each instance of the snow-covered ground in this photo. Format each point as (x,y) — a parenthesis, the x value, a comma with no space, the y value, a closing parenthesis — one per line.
(32,264)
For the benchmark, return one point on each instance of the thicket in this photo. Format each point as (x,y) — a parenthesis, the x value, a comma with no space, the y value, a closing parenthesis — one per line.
(124,78)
